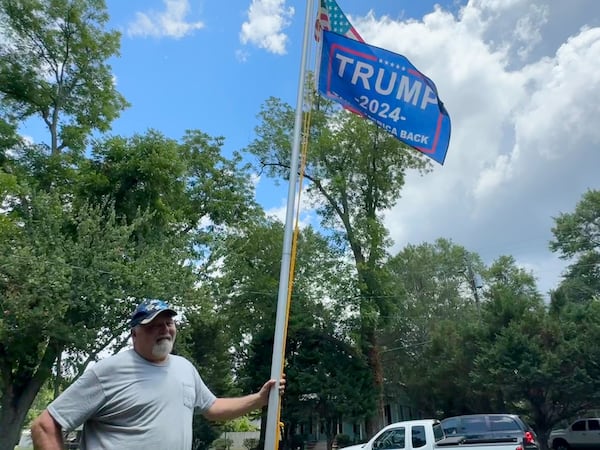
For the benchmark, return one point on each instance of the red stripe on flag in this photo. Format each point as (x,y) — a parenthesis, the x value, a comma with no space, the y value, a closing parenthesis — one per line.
(357,36)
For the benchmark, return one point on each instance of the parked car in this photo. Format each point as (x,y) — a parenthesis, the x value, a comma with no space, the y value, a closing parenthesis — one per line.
(581,434)
(71,440)
(427,434)
(491,426)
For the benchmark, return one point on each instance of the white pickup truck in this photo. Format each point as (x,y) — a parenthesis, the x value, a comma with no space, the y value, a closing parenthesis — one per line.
(427,434)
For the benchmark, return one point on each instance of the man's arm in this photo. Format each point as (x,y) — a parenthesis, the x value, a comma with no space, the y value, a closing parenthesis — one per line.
(46,433)
(230,408)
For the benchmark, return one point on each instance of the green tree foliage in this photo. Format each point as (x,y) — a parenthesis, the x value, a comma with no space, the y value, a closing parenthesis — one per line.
(356,171)
(53,66)
(329,379)
(245,279)
(512,354)
(577,237)
(430,282)
(540,365)
(82,240)
(245,284)
(68,280)
(202,339)
(44,396)
(438,381)
(432,335)
(182,183)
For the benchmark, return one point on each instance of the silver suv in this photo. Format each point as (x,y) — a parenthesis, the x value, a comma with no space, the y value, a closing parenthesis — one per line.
(583,433)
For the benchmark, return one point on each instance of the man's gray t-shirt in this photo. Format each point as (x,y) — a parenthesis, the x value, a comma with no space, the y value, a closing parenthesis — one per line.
(126,402)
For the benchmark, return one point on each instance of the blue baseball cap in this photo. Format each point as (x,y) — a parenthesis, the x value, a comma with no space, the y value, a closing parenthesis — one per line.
(148,310)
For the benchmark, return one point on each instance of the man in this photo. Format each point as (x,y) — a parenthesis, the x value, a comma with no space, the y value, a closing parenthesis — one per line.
(142,398)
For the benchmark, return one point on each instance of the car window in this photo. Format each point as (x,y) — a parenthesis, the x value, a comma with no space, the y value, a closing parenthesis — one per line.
(503,423)
(593,424)
(391,439)
(450,426)
(472,425)
(418,436)
(438,433)
(579,425)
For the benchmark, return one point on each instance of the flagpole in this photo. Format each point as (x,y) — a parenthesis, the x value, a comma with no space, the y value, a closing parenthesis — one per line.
(284,276)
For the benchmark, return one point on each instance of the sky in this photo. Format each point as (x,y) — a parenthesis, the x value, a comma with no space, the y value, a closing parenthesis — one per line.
(519,78)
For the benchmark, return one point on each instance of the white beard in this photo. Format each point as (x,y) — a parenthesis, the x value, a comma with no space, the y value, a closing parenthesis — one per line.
(162,349)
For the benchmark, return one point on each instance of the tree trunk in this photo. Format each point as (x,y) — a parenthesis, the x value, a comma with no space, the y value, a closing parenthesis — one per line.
(19,390)
(13,410)
(374,423)
(542,437)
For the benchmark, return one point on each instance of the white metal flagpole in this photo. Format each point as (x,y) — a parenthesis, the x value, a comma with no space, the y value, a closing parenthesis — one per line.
(282,298)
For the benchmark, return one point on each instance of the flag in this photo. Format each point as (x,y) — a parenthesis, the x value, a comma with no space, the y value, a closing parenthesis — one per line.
(330,17)
(387,89)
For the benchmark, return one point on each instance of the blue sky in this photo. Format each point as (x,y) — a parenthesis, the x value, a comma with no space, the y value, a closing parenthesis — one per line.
(201,70)
(520,79)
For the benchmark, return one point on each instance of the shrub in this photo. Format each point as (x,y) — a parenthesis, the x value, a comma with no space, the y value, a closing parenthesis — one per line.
(250,443)
(222,444)
(343,440)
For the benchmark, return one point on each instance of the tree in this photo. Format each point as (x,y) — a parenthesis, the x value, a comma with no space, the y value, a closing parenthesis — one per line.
(577,236)
(245,280)
(356,171)
(328,380)
(436,375)
(105,251)
(431,337)
(540,364)
(54,67)
(63,270)
(430,282)
(183,183)
(545,367)
(245,286)
(83,239)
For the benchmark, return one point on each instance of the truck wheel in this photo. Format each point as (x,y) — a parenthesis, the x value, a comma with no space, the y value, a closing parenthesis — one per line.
(560,445)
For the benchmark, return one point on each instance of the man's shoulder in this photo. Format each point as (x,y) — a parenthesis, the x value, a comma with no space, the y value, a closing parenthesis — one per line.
(181,361)
(183,366)
(118,359)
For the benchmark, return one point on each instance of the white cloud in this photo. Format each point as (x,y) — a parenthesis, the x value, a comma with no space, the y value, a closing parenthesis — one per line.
(241,56)
(168,23)
(521,81)
(307,215)
(266,21)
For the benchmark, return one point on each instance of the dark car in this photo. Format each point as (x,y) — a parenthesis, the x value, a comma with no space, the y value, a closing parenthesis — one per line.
(475,427)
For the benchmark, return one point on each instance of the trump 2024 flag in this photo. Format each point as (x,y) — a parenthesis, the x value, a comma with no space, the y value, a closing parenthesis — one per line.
(388,89)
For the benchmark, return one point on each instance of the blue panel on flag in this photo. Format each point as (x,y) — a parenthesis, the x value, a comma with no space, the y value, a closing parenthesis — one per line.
(388,89)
